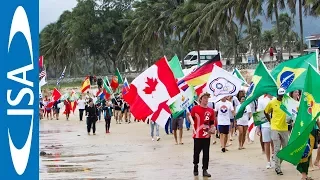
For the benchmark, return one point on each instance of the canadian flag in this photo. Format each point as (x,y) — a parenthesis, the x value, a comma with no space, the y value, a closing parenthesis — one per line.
(150,91)
(55,97)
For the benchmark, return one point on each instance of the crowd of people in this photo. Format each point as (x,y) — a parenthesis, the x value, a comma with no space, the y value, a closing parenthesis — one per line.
(207,120)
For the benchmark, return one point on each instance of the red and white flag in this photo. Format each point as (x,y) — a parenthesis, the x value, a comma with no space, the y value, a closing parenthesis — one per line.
(55,97)
(251,129)
(150,91)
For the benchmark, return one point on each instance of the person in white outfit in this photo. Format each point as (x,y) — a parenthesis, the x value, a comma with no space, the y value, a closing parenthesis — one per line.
(265,129)
(242,123)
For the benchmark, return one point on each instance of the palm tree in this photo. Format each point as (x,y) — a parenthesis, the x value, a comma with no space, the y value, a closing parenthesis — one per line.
(272,9)
(314,6)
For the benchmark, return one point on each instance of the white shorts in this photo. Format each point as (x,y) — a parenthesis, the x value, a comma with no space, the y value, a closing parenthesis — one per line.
(266,134)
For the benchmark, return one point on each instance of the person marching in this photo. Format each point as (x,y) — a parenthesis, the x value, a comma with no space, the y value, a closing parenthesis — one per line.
(242,123)
(67,104)
(204,120)
(82,106)
(279,127)
(107,115)
(92,116)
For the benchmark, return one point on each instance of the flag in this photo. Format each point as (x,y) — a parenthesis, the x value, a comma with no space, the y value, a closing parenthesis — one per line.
(61,76)
(262,83)
(259,118)
(125,87)
(201,75)
(291,74)
(290,106)
(151,88)
(73,106)
(106,88)
(85,85)
(237,74)
(309,110)
(99,92)
(42,74)
(161,115)
(182,102)
(55,97)
(251,129)
(116,80)
(176,67)
(221,84)
(43,81)
(64,96)
(41,63)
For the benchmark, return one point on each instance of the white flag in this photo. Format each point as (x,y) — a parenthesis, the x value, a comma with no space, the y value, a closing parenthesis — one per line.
(221,84)
(43,81)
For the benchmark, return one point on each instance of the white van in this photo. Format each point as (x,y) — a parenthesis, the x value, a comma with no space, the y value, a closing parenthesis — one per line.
(191,58)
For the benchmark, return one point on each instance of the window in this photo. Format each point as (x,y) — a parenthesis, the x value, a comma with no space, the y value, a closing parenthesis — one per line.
(202,57)
(188,57)
(194,58)
(209,57)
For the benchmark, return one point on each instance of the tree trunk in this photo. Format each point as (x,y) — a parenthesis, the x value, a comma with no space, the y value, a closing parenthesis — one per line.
(278,31)
(251,37)
(181,51)
(301,26)
(198,48)
(149,57)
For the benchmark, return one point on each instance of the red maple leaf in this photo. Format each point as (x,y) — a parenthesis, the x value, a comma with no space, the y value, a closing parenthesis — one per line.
(152,83)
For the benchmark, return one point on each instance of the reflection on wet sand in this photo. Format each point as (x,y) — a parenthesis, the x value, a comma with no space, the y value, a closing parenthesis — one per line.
(67,152)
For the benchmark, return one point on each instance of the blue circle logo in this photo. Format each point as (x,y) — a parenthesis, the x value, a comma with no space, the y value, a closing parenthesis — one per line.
(224,109)
(286,79)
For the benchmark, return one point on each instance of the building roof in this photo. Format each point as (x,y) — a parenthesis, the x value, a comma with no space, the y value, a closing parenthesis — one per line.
(313,37)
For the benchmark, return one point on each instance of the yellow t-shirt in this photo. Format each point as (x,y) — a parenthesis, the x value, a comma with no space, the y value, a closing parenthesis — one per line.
(278,120)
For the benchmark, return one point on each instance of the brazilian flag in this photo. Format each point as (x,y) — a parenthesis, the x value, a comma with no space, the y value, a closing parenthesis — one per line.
(309,111)
(291,74)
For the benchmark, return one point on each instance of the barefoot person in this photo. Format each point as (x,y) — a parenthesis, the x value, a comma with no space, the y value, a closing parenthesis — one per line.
(204,120)
(224,108)
(242,123)
(153,126)
(279,127)
(177,124)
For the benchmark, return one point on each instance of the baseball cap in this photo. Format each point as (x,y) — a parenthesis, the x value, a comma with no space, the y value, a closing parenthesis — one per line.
(281,91)
(204,94)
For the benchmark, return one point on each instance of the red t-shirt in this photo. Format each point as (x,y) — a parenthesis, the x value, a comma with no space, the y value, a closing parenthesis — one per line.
(203,118)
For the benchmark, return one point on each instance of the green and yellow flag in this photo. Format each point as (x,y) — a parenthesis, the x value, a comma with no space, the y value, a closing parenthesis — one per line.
(262,83)
(291,74)
(309,110)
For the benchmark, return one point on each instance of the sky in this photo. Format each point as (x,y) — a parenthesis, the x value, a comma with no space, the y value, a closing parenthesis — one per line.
(50,10)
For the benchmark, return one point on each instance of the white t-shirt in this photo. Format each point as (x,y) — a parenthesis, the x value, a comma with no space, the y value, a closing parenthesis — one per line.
(262,104)
(81,104)
(223,110)
(235,103)
(245,118)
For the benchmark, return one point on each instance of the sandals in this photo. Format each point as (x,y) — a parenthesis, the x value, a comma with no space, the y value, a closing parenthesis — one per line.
(279,172)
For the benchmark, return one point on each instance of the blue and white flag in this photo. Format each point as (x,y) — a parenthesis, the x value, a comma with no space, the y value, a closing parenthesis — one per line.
(221,84)
(62,76)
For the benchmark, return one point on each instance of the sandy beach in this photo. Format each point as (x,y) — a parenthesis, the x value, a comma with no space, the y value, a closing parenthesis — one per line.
(128,153)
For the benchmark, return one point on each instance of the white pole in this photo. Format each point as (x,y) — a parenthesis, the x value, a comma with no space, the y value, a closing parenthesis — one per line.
(317,58)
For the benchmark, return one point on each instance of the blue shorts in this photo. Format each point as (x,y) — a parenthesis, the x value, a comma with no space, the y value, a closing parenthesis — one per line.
(224,129)
(232,123)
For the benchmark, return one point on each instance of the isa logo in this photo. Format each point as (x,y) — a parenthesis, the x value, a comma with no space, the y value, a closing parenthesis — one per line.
(19,129)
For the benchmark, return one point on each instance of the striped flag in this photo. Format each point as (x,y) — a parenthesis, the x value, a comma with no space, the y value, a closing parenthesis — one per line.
(42,74)
(62,76)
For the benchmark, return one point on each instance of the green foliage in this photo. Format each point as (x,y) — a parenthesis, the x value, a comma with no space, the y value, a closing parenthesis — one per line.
(99,35)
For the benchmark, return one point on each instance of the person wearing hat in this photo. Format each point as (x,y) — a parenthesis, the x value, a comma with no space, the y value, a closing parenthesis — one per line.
(279,126)
(203,124)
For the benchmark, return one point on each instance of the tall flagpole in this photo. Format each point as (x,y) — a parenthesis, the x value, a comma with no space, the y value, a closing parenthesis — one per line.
(317,58)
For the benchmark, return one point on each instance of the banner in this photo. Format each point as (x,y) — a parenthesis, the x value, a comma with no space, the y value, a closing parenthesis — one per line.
(259,118)
(290,106)
(19,46)
(182,102)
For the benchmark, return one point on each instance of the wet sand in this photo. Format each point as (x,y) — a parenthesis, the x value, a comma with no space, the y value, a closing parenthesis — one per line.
(128,153)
